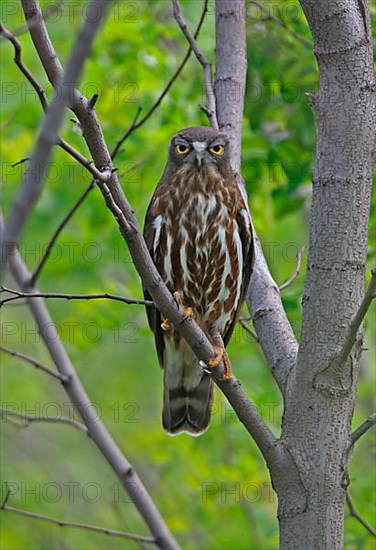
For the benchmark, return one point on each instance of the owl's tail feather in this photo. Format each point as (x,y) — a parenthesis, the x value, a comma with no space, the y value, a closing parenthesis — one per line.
(188,410)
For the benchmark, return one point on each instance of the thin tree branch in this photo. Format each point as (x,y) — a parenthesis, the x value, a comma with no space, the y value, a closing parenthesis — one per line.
(28,419)
(47,295)
(62,523)
(270,18)
(297,269)
(208,79)
(362,429)
(32,361)
(33,180)
(354,513)
(248,329)
(59,229)
(358,319)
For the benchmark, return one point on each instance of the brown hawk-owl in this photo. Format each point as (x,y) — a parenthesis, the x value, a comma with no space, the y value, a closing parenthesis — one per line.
(198,232)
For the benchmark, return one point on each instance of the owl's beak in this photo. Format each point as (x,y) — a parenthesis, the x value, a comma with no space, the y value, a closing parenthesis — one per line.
(199,160)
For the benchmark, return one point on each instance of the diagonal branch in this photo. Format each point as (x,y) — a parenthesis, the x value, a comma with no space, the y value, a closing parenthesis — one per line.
(104,530)
(32,361)
(280,23)
(354,513)
(358,320)
(362,429)
(211,109)
(59,229)
(33,180)
(105,296)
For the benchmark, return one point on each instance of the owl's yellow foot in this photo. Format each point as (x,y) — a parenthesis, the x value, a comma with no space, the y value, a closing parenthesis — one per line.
(221,355)
(187,311)
(166,324)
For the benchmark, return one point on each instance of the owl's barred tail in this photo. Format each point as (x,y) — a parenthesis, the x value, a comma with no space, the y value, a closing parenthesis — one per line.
(188,410)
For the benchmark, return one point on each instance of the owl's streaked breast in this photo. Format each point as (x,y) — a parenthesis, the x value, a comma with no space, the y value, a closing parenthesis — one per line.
(198,251)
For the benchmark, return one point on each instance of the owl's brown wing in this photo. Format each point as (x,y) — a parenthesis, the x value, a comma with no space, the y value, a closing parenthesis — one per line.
(153,314)
(245,231)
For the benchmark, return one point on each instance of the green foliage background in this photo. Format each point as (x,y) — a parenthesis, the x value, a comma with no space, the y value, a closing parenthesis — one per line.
(214,491)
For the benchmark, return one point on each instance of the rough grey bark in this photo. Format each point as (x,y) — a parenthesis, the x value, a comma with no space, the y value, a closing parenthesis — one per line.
(320,400)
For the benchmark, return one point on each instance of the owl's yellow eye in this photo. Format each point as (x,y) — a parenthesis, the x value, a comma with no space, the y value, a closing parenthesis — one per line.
(217,149)
(182,149)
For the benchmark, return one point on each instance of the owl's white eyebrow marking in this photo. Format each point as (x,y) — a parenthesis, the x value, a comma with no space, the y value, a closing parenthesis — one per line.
(199,146)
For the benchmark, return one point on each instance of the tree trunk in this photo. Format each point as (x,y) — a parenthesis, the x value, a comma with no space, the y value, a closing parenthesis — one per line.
(319,401)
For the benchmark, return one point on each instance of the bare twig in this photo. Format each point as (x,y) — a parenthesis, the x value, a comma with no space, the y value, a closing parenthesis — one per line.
(33,181)
(211,110)
(59,229)
(62,523)
(47,295)
(248,329)
(32,361)
(137,123)
(270,18)
(354,513)
(28,419)
(297,269)
(362,429)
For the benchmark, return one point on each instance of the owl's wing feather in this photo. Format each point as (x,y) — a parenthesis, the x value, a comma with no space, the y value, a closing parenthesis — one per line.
(153,314)
(245,231)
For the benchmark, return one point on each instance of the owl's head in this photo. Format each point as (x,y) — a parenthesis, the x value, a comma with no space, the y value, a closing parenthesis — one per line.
(198,147)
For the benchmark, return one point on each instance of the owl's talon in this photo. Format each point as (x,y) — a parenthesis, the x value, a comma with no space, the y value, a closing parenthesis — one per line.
(221,355)
(166,324)
(187,311)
